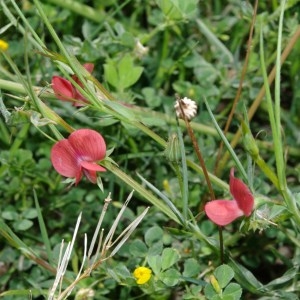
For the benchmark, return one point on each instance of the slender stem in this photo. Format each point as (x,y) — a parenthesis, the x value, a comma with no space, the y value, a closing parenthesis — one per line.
(184,178)
(278,147)
(276,140)
(197,127)
(214,41)
(267,170)
(198,152)
(84,10)
(151,133)
(226,143)
(275,121)
(235,140)
(36,41)
(17,23)
(205,172)
(239,91)
(141,190)
(220,229)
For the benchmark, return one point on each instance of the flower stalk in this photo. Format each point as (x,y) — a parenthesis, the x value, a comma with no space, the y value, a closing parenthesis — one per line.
(203,167)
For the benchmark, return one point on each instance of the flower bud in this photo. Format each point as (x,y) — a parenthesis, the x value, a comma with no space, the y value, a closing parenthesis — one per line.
(249,141)
(172,151)
(214,282)
(85,293)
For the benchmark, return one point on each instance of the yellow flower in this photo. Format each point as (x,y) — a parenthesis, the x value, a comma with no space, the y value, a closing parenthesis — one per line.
(3,45)
(142,275)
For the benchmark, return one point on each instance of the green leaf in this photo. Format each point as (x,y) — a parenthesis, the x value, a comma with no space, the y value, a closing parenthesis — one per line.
(170,277)
(151,97)
(232,292)
(27,294)
(178,9)
(122,74)
(169,9)
(188,8)
(138,248)
(153,235)
(122,271)
(191,268)
(193,293)
(156,248)
(23,225)
(210,292)
(9,215)
(154,263)
(246,278)
(111,73)
(223,274)
(30,213)
(170,256)
(284,280)
(128,73)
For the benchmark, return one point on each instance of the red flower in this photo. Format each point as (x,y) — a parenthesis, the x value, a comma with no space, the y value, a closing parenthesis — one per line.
(65,90)
(78,155)
(223,212)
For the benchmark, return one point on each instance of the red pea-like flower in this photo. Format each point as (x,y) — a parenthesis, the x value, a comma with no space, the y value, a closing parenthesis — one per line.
(223,212)
(66,91)
(78,155)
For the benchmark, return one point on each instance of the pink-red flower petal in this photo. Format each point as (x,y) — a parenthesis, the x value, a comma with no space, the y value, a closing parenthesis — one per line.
(79,154)
(222,212)
(63,158)
(241,194)
(65,90)
(88,144)
(89,67)
(90,175)
(91,166)
(62,88)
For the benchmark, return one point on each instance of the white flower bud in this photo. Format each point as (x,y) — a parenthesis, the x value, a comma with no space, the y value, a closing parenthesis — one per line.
(140,50)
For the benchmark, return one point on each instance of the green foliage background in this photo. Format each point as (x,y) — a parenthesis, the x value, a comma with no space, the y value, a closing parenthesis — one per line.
(196,49)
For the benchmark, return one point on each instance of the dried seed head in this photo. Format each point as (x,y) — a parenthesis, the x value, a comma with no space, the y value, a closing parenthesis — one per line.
(188,106)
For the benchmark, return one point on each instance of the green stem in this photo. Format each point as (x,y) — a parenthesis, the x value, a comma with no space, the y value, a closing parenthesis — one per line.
(184,177)
(197,127)
(279,153)
(141,190)
(215,41)
(197,151)
(151,133)
(275,121)
(266,170)
(36,41)
(291,204)
(17,24)
(205,172)
(214,179)
(84,10)
(20,137)
(226,143)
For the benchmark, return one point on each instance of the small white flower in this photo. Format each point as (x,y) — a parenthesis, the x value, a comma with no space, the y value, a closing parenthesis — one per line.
(139,49)
(188,106)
